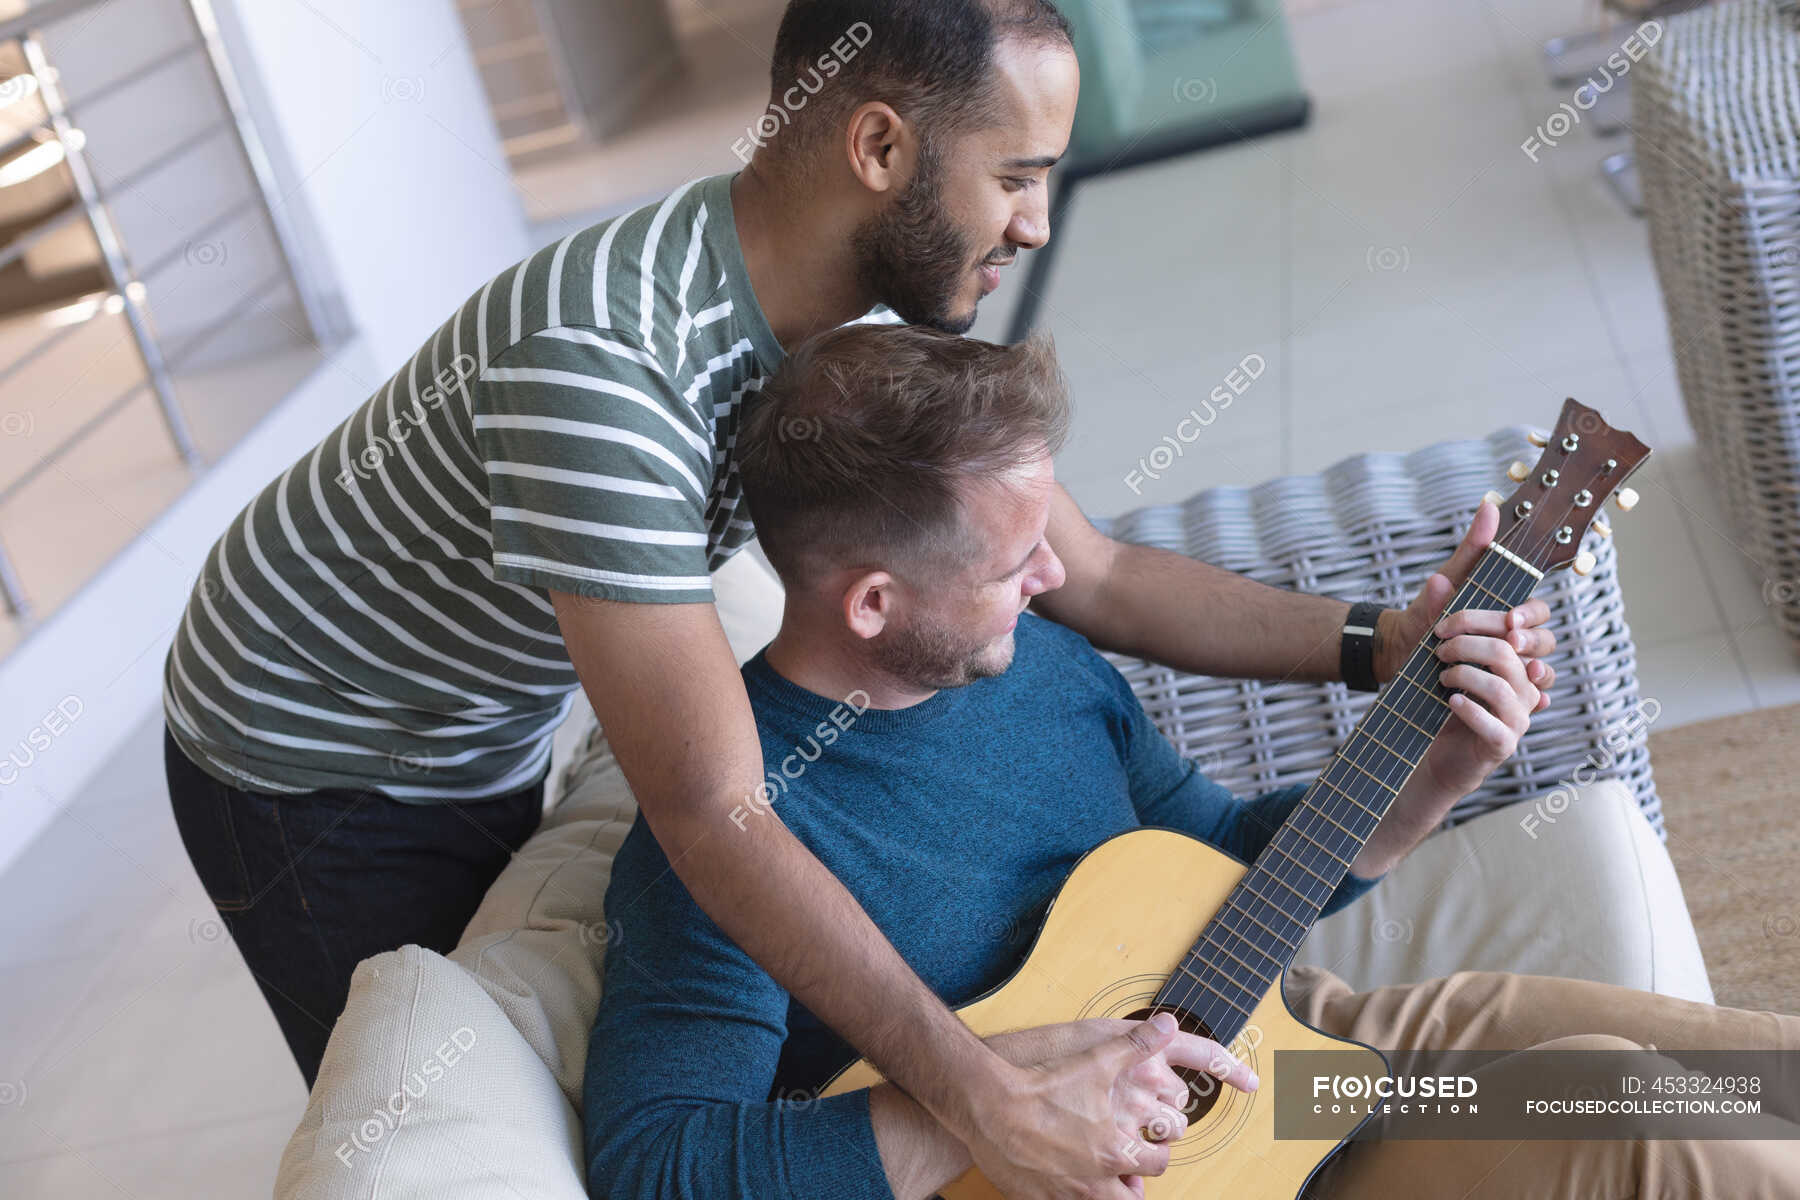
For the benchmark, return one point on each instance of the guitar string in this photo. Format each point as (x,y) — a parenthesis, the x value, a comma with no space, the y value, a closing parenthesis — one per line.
(1389,717)
(1389,710)
(1479,579)
(1186,1002)
(1328,807)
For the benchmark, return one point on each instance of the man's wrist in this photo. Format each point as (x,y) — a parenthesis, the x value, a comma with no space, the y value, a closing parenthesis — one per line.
(918,1154)
(1389,650)
(1415,813)
(980,1087)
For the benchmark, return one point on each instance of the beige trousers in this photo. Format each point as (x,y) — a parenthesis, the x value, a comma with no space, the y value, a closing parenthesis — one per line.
(1491,1010)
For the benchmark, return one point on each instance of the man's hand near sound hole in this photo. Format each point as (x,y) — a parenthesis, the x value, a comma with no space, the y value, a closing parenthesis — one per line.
(1105,1084)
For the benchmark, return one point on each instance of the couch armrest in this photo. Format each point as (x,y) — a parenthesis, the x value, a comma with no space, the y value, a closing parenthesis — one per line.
(1373,527)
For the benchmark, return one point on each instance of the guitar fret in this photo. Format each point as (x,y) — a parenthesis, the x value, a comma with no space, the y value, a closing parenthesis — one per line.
(1278,908)
(1490,591)
(1402,716)
(1329,853)
(1371,775)
(1346,795)
(1290,887)
(1301,865)
(1224,949)
(1385,746)
(1240,909)
(1213,962)
(1202,981)
(1408,679)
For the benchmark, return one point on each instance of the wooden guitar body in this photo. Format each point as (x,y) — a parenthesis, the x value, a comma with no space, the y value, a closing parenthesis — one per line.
(1116,931)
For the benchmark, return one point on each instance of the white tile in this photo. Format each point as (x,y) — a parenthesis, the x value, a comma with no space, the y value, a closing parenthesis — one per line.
(70,895)
(236,1159)
(1773,661)
(1656,394)
(106,858)
(1436,401)
(176,1007)
(1162,261)
(1616,247)
(1140,432)
(1740,584)
(1350,49)
(1692,678)
(36,1001)
(1209,462)
(1519,29)
(1432,324)
(1663,579)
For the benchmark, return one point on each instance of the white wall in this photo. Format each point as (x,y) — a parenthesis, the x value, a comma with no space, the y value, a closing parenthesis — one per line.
(382,139)
(387,137)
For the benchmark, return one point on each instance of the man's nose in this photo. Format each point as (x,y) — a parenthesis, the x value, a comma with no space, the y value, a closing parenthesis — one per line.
(1030,226)
(1048,579)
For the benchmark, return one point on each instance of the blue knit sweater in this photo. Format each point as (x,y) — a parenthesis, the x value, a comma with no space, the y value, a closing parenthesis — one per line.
(953,822)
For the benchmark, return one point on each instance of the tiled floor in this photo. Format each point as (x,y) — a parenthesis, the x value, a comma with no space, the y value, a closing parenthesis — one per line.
(1406,274)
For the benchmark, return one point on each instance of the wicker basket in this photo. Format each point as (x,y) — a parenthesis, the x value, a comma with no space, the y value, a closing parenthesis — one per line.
(1374,527)
(1716,110)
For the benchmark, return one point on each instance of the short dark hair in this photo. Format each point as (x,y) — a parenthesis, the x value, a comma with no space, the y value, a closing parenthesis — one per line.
(861,446)
(932,61)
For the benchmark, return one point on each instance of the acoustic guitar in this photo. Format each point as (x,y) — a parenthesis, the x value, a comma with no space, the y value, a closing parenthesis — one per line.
(1154,920)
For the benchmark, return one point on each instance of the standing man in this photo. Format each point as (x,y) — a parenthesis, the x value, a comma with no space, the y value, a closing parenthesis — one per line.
(361,698)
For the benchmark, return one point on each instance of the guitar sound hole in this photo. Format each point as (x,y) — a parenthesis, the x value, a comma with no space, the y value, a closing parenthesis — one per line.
(1203,1089)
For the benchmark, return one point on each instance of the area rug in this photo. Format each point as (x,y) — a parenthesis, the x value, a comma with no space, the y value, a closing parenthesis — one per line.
(1731,802)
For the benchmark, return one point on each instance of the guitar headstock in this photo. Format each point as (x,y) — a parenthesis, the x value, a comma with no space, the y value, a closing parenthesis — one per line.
(1584,461)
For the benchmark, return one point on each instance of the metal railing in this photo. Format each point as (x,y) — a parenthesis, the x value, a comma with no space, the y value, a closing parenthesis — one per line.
(125,291)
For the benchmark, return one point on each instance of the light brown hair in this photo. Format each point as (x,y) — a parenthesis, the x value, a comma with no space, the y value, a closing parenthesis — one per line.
(860,447)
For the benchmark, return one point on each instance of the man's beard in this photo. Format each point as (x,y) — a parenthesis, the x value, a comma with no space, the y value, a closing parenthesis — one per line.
(913,258)
(927,655)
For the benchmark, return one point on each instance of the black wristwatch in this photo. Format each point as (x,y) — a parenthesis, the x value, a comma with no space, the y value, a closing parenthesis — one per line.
(1356,658)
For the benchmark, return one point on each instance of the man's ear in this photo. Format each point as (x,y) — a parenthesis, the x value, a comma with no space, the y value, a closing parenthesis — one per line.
(879,145)
(868,603)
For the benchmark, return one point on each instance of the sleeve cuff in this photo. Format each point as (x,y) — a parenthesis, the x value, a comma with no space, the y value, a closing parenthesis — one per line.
(1352,889)
(831,1142)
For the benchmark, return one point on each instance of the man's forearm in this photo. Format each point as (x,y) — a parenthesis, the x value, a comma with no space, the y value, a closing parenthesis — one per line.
(1416,811)
(919,1155)
(1205,620)
(809,933)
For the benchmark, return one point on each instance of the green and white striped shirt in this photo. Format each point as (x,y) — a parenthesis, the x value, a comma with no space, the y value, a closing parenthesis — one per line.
(377,618)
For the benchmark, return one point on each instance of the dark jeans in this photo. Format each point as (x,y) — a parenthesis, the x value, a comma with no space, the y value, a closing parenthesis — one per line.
(310,885)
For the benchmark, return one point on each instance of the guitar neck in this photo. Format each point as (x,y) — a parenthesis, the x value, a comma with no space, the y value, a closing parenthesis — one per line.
(1244,948)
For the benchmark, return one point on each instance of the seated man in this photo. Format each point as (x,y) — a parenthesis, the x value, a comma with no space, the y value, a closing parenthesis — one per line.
(950,755)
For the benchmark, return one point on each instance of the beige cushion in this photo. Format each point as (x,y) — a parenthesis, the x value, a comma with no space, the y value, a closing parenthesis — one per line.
(1584,893)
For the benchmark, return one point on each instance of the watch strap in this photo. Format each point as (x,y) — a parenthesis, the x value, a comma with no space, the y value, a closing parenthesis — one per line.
(1356,659)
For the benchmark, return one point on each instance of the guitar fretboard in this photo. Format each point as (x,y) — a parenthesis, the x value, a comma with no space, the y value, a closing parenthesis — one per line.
(1243,949)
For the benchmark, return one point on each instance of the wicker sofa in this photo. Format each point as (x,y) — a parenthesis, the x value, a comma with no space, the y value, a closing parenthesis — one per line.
(1578,886)
(1716,118)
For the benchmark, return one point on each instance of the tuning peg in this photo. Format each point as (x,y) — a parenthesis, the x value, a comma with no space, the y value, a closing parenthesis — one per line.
(1518,471)
(1584,562)
(1626,498)
(1492,497)
(1537,439)
(1601,527)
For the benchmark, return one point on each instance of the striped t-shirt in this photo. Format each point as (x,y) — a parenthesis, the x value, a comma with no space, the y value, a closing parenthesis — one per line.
(378,617)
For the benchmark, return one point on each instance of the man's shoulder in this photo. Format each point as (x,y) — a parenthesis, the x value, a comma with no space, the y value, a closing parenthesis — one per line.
(1049,647)
(630,277)
(1054,637)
